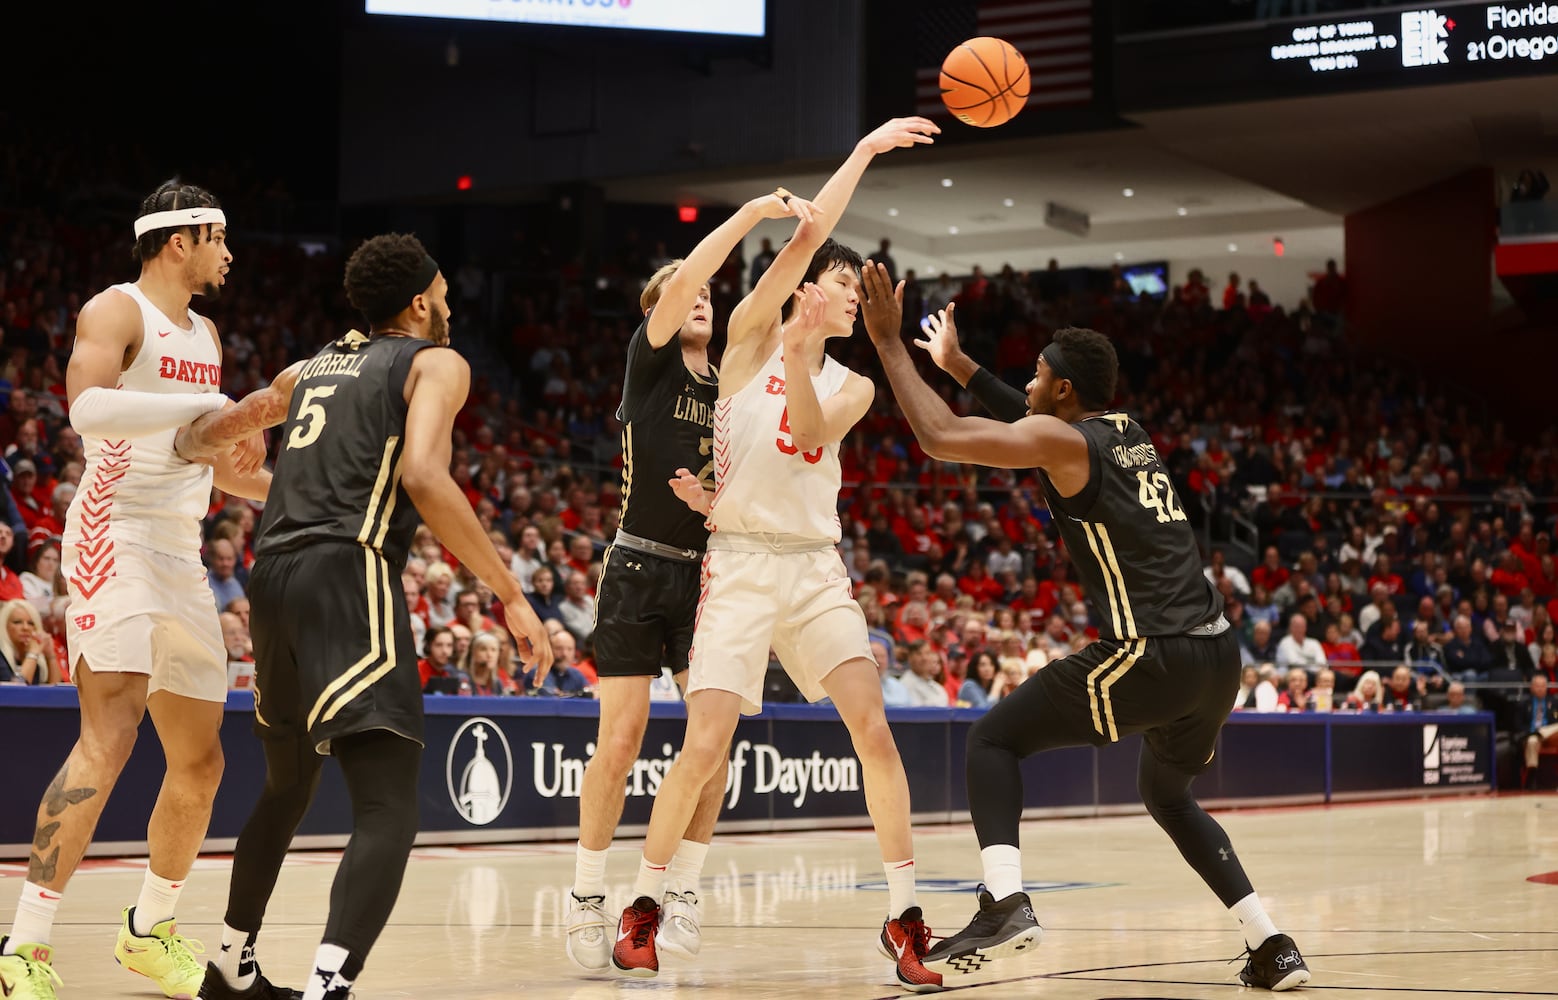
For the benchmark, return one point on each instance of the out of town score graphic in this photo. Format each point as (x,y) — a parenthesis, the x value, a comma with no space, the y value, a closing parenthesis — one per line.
(1434,36)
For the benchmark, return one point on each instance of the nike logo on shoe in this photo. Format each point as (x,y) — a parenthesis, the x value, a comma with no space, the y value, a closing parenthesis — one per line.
(623,935)
(900,949)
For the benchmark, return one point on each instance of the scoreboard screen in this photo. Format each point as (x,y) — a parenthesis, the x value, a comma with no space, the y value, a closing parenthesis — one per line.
(1400,47)
(708,17)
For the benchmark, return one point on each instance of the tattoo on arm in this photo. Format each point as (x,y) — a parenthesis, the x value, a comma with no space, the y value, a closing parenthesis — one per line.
(226,427)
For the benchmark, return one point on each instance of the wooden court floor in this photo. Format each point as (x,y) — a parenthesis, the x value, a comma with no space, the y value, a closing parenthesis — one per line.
(1404,899)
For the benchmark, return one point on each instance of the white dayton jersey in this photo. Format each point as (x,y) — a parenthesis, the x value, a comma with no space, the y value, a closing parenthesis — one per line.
(763,483)
(137,490)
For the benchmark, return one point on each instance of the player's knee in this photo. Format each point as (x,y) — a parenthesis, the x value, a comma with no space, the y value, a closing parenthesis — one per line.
(702,761)
(617,752)
(873,739)
(1162,789)
(105,750)
(982,738)
(201,768)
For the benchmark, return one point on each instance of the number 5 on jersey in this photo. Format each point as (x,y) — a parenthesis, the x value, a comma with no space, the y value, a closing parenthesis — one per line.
(311,417)
(787,445)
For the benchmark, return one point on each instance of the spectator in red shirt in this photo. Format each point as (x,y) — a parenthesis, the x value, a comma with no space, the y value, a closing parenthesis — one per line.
(1337,649)
(913,623)
(10,583)
(1385,577)
(1231,292)
(979,584)
(1270,574)
(437,663)
(1509,579)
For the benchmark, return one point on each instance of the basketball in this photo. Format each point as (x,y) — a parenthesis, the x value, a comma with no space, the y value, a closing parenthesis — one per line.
(984,82)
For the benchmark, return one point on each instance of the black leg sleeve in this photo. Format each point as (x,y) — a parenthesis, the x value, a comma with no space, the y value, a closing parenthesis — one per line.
(381,775)
(291,777)
(1199,837)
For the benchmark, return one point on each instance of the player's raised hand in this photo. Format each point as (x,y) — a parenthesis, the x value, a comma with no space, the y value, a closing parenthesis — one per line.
(898,133)
(811,306)
(941,338)
(782,205)
(882,305)
(689,490)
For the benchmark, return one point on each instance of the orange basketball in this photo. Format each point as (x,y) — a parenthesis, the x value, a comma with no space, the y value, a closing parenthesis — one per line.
(984,82)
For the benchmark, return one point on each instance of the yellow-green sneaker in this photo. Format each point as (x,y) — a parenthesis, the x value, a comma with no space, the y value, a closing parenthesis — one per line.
(27,975)
(162,956)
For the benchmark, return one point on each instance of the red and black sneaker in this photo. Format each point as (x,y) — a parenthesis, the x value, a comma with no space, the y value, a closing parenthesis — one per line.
(634,952)
(905,941)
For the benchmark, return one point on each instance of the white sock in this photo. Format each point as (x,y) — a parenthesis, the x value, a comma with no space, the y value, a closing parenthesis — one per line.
(589,872)
(327,972)
(236,959)
(1003,869)
(651,880)
(900,886)
(34,917)
(159,898)
(687,866)
(1257,926)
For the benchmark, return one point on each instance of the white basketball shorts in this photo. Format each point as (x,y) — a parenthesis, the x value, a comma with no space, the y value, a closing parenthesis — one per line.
(134,610)
(798,603)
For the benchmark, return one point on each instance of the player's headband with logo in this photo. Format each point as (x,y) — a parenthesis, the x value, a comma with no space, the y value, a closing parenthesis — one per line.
(196,216)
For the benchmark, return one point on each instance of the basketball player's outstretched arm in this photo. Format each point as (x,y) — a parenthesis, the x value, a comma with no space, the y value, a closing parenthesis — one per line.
(815,423)
(436,388)
(261,409)
(108,333)
(756,312)
(1006,402)
(681,289)
(1033,442)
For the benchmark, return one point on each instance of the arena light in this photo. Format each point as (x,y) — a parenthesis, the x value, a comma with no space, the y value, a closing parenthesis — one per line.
(687,213)
(463,183)
(1278,247)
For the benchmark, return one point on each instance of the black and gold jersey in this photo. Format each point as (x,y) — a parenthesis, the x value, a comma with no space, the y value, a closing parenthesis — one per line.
(667,424)
(1130,538)
(337,476)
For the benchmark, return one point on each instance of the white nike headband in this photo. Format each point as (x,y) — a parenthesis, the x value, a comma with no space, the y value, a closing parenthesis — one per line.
(179,217)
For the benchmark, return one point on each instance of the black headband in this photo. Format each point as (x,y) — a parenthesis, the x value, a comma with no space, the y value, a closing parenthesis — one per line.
(415,284)
(1056,359)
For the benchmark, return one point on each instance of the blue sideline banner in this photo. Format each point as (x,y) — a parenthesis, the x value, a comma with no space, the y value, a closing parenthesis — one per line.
(503,769)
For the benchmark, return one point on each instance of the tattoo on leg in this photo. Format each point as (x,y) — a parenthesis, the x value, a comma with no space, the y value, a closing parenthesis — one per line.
(45,834)
(41,871)
(58,797)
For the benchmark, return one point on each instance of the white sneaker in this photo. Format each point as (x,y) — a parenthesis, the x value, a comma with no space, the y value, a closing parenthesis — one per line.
(588,944)
(681,921)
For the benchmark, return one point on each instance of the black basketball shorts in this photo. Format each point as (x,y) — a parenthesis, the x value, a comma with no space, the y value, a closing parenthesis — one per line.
(645,607)
(1177,691)
(333,649)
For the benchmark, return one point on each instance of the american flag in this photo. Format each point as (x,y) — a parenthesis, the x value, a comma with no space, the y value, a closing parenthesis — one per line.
(1056,37)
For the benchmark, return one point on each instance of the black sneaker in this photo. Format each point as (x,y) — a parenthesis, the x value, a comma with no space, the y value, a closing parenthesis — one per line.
(1276,965)
(215,987)
(999,930)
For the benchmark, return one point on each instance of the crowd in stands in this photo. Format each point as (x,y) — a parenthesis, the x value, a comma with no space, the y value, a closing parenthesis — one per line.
(1403,536)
